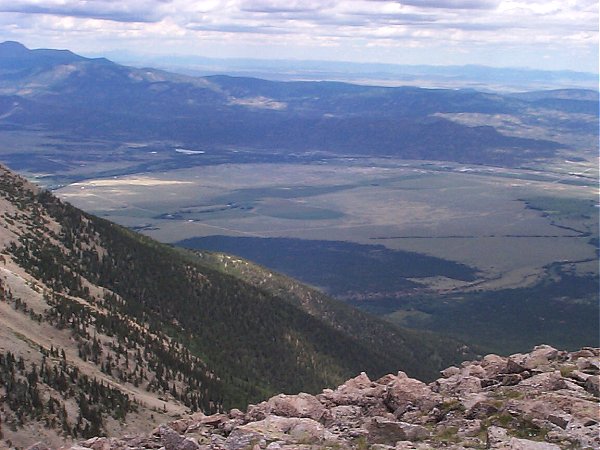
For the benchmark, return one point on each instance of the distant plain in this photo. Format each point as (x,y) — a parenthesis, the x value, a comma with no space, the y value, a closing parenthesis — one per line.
(474,215)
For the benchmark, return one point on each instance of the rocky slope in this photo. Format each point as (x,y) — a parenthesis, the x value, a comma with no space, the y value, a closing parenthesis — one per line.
(543,400)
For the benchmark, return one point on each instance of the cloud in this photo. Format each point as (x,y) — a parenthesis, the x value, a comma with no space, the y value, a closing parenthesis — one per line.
(118,11)
(453,4)
(236,28)
(291,6)
(353,27)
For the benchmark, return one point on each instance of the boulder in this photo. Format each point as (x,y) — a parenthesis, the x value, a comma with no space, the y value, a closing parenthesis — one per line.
(561,420)
(481,410)
(286,429)
(360,382)
(98,443)
(475,370)
(579,376)
(38,446)
(592,385)
(583,353)
(243,439)
(546,381)
(525,444)
(301,405)
(343,416)
(457,385)
(542,355)
(450,371)
(402,392)
(236,414)
(180,425)
(588,365)
(172,440)
(493,365)
(213,420)
(498,438)
(360,391)
(515,364)
(382,430)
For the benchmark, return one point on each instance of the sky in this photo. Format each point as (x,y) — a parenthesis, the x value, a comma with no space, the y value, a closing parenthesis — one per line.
(539,34)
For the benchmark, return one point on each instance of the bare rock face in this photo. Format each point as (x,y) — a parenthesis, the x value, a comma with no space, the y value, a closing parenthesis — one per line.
(543,400)
(404,394)
(301,405)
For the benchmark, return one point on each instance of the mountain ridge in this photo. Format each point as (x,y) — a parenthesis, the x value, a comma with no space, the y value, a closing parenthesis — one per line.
(98,99)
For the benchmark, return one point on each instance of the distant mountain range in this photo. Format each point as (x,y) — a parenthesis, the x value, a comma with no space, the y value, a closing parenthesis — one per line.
(73,97)
(473,76)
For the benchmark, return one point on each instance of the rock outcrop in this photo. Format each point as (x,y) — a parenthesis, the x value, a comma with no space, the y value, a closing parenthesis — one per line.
(543,400)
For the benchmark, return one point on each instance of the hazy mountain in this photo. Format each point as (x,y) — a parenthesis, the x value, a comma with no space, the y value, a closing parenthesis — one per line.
(102,329)
(479,77)
(80,98)
(21,61)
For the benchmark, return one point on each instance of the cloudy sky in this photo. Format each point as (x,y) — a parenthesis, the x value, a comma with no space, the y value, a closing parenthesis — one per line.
(546,34)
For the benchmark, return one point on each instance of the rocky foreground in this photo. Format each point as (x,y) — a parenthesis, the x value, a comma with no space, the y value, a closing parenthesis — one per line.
(546,399)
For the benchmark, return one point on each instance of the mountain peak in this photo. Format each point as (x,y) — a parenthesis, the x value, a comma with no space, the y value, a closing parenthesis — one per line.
(12,48)
(14,56)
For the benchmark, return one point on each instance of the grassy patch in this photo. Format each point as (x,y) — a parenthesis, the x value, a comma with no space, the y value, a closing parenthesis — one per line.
(567,370)
(448,435)
(452,405)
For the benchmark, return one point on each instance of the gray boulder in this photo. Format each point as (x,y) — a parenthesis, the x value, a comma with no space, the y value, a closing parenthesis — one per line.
(382,430)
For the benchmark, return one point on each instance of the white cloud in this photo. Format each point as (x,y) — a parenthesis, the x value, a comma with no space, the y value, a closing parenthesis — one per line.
(453,4)
(187,25)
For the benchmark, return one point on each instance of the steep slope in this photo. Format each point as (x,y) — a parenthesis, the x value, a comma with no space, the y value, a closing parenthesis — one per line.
(103,329)
(406,347)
